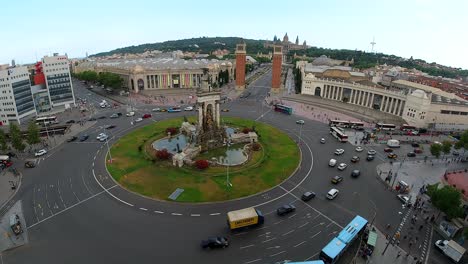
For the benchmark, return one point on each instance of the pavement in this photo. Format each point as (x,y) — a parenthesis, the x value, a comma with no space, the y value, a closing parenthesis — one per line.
(8,239)
(9,185)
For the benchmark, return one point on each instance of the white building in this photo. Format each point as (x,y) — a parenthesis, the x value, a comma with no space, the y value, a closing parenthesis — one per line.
(16,100)
(58,80)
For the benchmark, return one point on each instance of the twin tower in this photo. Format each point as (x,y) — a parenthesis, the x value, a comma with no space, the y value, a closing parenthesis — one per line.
(240,67)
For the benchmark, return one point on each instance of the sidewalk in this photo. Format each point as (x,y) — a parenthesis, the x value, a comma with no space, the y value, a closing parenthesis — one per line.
(8,239)
(7,180)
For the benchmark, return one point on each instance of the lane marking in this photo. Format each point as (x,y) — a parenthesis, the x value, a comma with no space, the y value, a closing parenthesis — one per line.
(195,215)
(284,251)
(159,212)
(278,222)
(268,240)
(316,234)
(311,257)
(292,216)
(288,233)
(303,225)
(143,209)
(107,190)
(300,244)
(175,214)
(215,214)
(247,246)
(243,233)
(252,261)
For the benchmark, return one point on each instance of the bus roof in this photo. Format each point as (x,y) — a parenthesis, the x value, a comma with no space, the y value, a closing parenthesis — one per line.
(45,118)
(350,231)
(242,214)
(334,248)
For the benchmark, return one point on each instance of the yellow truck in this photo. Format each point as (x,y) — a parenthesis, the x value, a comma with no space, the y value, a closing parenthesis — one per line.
(244,218)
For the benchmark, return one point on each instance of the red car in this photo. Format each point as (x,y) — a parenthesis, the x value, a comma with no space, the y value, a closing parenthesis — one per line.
(146,116)
(418,151)
(7,163)
(388,150)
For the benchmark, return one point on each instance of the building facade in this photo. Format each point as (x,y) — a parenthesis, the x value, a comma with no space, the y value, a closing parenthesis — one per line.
(286,44)
(56,71)
(16,101)
(240,65)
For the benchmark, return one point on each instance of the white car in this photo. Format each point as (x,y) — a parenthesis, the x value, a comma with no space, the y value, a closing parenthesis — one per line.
(403,198)
(138,120)
(188,108)
(359,149)
(371,152)
(130,113)
(157,109)
(300,122)
(101,135)
(339,151)
(342,166)
(103,138)
(40,153)
(322,140)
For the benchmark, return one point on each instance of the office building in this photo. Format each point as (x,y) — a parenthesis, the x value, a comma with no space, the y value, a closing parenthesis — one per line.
(56,70)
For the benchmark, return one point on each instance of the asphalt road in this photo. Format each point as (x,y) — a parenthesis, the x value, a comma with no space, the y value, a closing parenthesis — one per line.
(77,214)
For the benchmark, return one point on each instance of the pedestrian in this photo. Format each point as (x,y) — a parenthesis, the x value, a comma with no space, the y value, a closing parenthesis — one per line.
(399,254)
(420,227)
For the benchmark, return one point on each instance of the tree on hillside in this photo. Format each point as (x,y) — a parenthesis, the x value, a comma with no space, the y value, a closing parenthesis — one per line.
(3,141)
(446,146)
(436,149)
(447,199)
(33,134)
(16,138)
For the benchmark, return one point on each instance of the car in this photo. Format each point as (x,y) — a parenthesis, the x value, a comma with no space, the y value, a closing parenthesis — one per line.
(224,110)
(300,122)
(163,110)
(370,157)
(411,154)
(130,114)
(109,126)
(417,151)
(70,122)
(173,110)
(359,149)
(342,166)
(388,150)
(215,242)
(188,108)
(455,153)
(371,152)
(114,115)
(332,163)
(29,164)
(392,156)
(322,140)
(285,209)
(72,139)
(119,114)
(101,135)
(103,138)
(307,196)
(355,159)
(339,151)
(336,179)
(332,194)
(403,198)
(146,116)
(92,119)
(414,133)
(355,173)
(102,117)
(138,120)
(40,152)
(157,109)
(415,145)
(84,138)
(7,163)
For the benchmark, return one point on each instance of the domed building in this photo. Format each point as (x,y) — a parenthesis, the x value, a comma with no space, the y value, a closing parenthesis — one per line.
(287,45)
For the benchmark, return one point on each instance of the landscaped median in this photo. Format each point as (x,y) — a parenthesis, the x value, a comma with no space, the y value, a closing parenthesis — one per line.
(137,170)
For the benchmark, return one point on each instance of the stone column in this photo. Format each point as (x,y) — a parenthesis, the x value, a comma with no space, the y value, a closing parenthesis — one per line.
(382,103)
(217,113)
(341,93)
(200,115)
(390,103)
(371,101)
(351,96)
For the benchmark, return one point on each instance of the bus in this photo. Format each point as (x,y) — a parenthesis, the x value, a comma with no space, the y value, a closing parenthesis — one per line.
(383,126)
(407,128)
(357,125)
(46,120)
(308,262)
(339,123)
(283,109)
(333,250)
(339,134)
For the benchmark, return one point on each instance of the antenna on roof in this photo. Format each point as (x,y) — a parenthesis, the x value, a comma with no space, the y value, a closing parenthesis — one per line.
(373,44)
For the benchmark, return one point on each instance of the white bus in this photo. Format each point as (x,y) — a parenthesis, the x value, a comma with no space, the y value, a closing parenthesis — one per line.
(339,134)
(46,120)
(383,126)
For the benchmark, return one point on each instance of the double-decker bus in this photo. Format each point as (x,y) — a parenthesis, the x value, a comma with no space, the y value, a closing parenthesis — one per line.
(46,120)
(407,128)
(333,250)
(383,126)
(339,134)
(283,109)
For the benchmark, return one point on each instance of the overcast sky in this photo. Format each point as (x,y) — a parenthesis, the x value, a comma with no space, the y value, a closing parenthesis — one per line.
(435,31)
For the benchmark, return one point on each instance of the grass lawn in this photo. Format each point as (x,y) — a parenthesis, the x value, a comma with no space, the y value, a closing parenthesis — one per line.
(135,170)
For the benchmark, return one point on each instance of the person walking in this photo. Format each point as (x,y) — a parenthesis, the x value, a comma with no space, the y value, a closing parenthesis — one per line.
(399,254)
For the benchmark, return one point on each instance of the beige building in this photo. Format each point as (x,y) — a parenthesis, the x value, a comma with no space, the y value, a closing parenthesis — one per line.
(163,72)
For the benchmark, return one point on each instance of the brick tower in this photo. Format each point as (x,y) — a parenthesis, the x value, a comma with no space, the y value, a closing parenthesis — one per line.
(277,61)
(240,66)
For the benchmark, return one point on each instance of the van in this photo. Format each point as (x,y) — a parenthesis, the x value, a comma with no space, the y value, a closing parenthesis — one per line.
(332,163)
(393,143)
(332,194)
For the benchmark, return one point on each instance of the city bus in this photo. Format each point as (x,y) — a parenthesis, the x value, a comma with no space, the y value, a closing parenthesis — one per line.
(407,128)
(383,126)
(338,134)
(339,123)
(283,109)
(46,120)
(333,250)
(356,125)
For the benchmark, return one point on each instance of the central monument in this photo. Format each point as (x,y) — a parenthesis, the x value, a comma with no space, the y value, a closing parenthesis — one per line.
(210,134)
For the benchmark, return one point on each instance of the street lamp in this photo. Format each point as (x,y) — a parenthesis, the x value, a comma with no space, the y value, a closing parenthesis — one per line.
(228,183)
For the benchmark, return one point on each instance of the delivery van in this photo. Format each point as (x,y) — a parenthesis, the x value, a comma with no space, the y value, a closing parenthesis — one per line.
(244,218)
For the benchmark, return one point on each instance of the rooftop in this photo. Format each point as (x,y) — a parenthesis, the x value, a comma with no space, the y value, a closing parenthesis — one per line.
(438,99)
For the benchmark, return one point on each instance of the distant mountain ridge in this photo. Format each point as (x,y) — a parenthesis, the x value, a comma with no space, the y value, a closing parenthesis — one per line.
(362,59)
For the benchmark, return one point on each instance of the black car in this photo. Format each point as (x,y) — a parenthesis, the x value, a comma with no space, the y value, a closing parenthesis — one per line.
(411,154)
(286,209)
(415,145)
(11,154)
(110,126)
(119,114)
(215,242)
(355,173)
(72,139)
(84,138)
(102,117)
(29,164)
(70,122)
(307,196)
(370,157)
(336,179)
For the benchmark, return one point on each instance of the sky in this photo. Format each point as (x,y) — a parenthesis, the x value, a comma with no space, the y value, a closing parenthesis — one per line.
(432,30)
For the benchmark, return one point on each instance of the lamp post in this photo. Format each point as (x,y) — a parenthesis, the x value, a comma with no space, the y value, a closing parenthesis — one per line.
(228,183)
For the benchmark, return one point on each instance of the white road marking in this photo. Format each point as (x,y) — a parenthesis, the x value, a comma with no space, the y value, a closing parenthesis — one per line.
(274,247)
(292,216)
(243,233)
(316,234)
(266,234)
(329,224)
(284,251)
(159,212)
(143,209)
(175,214)
(311,257)
(60,194)
(303,225)
(247,246)
(107,190)
(278,222)
(288,233)
(34,203)
(268,240)
(300,244)
(215,214)
(195,215)
(252,261)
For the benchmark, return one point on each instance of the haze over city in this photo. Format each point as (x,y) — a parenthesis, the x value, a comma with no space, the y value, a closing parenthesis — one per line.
(425,29)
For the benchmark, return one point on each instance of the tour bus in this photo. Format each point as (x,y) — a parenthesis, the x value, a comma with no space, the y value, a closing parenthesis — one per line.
(407,128)
(333,250)
(338,123)
(46,120)
(338,134)
(283,109)
(357,125)
(383,126)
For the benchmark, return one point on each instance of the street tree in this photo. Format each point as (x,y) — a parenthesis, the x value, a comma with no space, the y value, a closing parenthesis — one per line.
(16,138)
(447,199)
(463,142)
(33,134)
(446,146)
(436,149)
(3,141)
